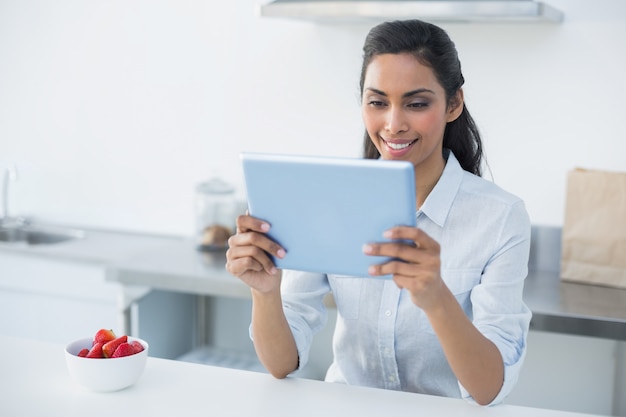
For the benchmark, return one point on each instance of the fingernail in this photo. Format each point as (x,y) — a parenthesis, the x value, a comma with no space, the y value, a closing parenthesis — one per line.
(371,270)
(273,271)
(281,253)
(387,234)
(367,248)
(265,227)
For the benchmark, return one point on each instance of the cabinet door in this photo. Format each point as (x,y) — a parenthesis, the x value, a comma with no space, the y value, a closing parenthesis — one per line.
(568,372)
(54,300)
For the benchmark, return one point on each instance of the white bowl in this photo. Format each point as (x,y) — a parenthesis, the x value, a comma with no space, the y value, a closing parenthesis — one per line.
(105,375)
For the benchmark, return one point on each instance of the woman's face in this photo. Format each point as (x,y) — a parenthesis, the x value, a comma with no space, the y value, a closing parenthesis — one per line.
(404,109)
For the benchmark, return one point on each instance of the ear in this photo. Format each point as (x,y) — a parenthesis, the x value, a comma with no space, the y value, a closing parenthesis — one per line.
(455,106)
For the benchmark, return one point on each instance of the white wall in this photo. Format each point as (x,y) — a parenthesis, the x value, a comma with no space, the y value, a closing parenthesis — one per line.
(113,110)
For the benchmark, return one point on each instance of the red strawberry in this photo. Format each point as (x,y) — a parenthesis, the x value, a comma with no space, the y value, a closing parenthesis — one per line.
(83,352)
(103,336)
(122,350)
(109,348)
(96,351)
(137,346)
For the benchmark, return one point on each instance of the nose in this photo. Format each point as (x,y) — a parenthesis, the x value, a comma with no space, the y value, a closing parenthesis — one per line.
(396,121)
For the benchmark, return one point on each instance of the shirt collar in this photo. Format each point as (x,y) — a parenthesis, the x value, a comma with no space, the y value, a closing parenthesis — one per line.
(439,201)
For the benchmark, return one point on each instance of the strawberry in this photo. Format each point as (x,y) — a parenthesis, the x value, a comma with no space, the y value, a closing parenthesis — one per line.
(137,346)
(124,349)
(103,336)
(83,352)
(109,348)
(96,351)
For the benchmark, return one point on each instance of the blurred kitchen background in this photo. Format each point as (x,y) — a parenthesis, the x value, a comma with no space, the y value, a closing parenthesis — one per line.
(114,111)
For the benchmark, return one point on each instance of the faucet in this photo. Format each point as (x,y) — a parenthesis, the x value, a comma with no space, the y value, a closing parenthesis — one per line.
(10,174)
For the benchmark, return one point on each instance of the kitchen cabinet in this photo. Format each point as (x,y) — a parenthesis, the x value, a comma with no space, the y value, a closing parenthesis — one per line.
(57,299)
(63,291)
(572,373)
(54,300)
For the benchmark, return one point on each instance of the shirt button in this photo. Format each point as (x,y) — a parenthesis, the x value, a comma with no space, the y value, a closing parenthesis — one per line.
(391,378)
(388,313)
(387,351)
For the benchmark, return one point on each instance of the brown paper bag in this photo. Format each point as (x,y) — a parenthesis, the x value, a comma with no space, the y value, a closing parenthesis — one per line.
(594,228)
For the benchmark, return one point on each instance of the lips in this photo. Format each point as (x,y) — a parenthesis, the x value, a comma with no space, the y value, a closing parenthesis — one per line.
(396,146)
(399,147)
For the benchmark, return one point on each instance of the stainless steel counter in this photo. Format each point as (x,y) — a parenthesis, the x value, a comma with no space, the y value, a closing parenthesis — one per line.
(570,308)
(567,307)
(96,246)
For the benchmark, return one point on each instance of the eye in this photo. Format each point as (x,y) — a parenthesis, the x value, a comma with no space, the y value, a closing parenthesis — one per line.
(376,103)
(418,105)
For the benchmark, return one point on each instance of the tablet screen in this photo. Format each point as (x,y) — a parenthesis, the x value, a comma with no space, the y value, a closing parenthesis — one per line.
(322,210)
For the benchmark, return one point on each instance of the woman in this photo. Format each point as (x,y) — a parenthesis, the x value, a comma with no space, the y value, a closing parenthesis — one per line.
(452,321)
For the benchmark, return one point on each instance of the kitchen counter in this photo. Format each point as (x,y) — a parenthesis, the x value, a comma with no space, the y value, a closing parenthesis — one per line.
(557,306)
(178,266)
(572,308)
(98,246)
(173,264)
(35,382)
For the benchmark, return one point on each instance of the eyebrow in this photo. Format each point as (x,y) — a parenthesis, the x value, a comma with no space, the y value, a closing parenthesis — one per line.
(405,95)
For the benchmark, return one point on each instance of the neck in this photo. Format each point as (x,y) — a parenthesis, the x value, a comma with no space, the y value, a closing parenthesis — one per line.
(426,177)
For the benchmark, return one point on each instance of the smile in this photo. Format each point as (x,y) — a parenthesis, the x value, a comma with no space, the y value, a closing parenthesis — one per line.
(399,146)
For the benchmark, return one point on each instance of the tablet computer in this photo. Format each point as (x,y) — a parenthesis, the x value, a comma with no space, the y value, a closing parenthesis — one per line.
(322,210)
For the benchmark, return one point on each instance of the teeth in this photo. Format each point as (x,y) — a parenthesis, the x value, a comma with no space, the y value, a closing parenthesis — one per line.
(398,146)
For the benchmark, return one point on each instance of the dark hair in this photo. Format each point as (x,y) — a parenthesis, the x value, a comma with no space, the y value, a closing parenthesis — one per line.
(432,47)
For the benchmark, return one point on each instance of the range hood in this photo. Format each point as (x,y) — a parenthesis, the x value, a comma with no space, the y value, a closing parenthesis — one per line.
(430,10)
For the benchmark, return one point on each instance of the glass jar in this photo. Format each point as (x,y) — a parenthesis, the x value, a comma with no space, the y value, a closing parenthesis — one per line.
(216,212)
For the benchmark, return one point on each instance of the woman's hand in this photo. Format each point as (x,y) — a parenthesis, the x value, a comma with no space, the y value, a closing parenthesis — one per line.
(474,359)
(416,267)
(247,256)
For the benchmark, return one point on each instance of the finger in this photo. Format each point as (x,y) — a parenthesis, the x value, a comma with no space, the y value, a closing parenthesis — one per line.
(241,259)
(239,266)
(418,236)
(246,223)
(258,240)
(395,268)
(399,250)
(242,266)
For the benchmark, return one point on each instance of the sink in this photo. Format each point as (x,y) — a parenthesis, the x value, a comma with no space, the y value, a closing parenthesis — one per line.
(38,235)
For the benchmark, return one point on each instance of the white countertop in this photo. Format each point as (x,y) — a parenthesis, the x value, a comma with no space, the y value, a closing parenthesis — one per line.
(34,381)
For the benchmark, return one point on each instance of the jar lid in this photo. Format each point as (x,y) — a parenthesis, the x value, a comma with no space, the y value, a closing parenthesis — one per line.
(215,186)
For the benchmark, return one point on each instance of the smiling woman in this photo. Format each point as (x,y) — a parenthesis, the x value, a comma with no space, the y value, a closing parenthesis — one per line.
(437,79)
(451,321)
(405,111)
